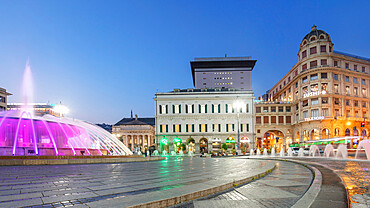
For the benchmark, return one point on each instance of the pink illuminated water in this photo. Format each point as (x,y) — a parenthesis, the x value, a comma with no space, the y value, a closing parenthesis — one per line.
(22,133)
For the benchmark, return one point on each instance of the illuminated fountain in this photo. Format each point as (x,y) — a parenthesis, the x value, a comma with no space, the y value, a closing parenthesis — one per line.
(251,152)
(23,133)
(314,151)
(329,150)
(290,152)
(364,144)
(300,152)
(282,153)
(342,151)
(273,151)
(264,152)
(258,152)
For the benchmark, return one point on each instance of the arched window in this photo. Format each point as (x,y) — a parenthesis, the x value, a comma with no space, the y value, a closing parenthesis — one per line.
(336,132)
(312,39)
(325,134)
(364,133)
(347,132)
(355,132)
(322,36)
(304,42)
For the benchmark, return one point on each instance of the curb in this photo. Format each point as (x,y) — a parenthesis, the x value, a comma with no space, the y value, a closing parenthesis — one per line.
(22,162)
(200,194)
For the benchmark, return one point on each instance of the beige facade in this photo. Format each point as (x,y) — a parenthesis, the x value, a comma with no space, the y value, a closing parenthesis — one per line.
(3,99)
(135,133)
(328,92)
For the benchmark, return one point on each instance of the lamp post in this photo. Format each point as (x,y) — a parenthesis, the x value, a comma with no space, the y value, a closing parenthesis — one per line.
(238,105)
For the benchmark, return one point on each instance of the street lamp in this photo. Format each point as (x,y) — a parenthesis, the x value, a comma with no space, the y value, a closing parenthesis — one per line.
(238,105)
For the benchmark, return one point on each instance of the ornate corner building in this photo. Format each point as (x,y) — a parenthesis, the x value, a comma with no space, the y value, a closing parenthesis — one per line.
(324,95)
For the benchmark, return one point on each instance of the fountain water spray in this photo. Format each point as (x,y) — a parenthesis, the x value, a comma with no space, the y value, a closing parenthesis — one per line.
(342,151)
(329,150)
(366,145)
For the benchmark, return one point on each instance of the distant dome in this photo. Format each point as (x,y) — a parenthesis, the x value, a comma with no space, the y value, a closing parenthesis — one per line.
(316,34)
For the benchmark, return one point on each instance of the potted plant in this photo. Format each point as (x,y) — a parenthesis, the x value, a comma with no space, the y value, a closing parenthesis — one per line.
(234,151)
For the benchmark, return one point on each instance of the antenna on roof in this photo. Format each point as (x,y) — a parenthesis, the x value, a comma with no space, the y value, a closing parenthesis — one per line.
(131,114)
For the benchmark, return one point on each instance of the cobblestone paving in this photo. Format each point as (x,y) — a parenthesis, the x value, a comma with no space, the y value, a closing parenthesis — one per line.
(117,185)
(281,188)
(354,173)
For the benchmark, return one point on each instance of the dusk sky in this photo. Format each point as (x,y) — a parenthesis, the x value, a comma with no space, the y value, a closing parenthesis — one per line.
(104,58)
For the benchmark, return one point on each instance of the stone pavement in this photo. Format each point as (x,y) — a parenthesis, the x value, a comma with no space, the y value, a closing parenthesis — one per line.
(354,173)
(281,188)
(119,185)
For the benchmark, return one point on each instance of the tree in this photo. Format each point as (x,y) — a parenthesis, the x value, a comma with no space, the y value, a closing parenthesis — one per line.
(224,146)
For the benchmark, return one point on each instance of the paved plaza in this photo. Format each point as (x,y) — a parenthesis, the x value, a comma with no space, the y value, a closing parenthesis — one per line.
(282,188)
(119,185)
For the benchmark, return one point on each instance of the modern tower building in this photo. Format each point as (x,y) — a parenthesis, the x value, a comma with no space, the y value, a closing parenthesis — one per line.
(226,72)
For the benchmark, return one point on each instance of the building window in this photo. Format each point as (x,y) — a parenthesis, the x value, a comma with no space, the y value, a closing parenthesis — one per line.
(288,119)
(363,82)
(281,119)
(336,112)
(315,113)
(313,50)
(304,80)
(216,127)
(347,90)
(163,128)
(304,67)
(347,65)
(163,109)
(287,109)
(324,100)
(324,62)
(348,103)
(347,78)
(355,67)
(324,86)
(230,127)
(315,101)
(355,80)
(363,69)
(189,127)
(176,128)
(176,109)
(356,103)
(324,75)
(305,103)
(258,119)
(363,91)
(335,76)
(297,117)
(323,48)
(265,109)
(330,49)
(281,109)
(348,114)
(273,119)
(325,112)
(364,104)
(313,77)
(313,64)
(203,108)
(336,101)
(265,119)
(216,108)
(336,88)
(258,109)
(189,108)
(335,63)
(314,88)
(355,91)
(304,54)
(305,114)
(203,128)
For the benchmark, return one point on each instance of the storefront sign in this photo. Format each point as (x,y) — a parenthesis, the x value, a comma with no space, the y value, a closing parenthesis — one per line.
(314,118)
(310,94)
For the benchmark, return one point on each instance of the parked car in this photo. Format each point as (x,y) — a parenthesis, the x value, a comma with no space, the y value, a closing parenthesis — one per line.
(295,150)
(306,151)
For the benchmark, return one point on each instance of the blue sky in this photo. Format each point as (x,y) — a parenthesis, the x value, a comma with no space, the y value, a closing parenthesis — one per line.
(104,58)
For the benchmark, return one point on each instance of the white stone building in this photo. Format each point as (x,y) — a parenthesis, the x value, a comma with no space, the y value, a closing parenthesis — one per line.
(204,119)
